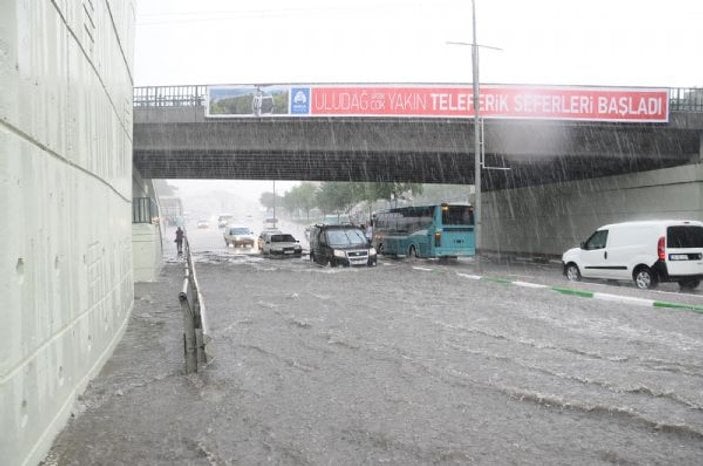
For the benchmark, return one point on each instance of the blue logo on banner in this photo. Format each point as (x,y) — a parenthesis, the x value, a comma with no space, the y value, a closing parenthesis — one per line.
(300,100)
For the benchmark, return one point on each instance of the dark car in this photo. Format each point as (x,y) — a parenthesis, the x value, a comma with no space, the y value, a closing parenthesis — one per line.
(340,245)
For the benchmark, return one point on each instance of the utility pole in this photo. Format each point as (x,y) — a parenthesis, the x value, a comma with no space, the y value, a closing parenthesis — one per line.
(477,142)
(478,162)
(275,220)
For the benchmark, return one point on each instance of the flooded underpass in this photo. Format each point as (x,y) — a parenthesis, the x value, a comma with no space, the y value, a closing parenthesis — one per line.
(402,363)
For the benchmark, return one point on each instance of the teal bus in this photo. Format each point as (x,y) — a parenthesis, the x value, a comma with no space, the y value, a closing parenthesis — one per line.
(444,230)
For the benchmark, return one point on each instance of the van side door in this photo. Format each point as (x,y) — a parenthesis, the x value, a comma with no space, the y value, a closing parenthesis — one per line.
(594,256)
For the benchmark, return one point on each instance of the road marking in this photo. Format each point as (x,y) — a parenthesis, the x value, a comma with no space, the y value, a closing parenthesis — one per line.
(587,294)
(529,285)
(624,299)
(424,269)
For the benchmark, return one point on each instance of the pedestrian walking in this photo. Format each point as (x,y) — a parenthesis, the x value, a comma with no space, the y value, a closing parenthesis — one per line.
(179,240)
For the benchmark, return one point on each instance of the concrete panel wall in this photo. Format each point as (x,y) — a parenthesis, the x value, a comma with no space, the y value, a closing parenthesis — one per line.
(147,247)
(548,219)
(147,252)
(65,197)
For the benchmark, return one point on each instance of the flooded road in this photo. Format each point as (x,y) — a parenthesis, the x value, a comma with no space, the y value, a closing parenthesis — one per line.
(403,363)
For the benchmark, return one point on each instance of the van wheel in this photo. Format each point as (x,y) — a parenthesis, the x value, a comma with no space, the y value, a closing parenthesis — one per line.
(644,278)
(572,272)
(689,284)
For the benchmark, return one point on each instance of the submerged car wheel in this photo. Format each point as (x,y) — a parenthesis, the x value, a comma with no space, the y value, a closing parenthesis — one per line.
(689,284)
(572,272)
(644,278)
(412,252)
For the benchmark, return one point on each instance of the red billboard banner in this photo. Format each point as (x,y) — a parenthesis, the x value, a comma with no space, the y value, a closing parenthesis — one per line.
(495,101)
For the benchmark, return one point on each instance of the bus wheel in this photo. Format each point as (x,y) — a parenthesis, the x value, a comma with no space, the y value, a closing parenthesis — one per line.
(412,253)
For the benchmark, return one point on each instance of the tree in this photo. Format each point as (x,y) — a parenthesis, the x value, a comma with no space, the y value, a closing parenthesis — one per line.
(267,200)
(335,197)
(304,195)
(342,196)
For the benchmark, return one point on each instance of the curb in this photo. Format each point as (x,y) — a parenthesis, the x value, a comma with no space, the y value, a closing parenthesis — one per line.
(613,298)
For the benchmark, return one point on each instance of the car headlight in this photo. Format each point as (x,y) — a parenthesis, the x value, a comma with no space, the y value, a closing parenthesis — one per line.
(372,251)
(338,253)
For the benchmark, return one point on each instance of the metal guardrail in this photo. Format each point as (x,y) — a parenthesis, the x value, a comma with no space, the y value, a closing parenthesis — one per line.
(197,347)
(681,99)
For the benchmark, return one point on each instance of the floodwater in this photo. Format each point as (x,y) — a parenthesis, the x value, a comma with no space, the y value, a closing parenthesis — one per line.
(404,363)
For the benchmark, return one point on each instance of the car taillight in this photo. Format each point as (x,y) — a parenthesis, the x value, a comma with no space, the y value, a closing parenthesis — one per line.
(660,249)
(437,238)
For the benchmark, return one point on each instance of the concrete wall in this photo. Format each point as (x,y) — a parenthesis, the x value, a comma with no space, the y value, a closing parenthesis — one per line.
(147,248)
(66,285)
(549,219)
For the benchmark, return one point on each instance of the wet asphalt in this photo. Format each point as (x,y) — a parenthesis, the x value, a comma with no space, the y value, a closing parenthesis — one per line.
(404,363)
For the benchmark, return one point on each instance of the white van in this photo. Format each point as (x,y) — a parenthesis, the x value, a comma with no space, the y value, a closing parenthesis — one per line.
(647,252)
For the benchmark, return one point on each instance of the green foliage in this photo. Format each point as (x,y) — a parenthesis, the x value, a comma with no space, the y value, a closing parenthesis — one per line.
(342,196)
(267,200)
(301,197)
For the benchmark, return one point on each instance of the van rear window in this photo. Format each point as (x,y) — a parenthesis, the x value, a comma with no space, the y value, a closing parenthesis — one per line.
(684,237)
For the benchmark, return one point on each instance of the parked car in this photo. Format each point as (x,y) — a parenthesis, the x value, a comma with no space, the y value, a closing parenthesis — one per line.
(340,245)
(281,244)
(263,235)
(203,224)
(239,237)
(647,252)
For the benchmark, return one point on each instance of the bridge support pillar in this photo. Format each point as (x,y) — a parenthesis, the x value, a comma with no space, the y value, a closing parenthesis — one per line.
(548,219)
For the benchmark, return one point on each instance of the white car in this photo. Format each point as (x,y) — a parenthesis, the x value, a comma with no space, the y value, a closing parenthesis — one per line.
(647,252)
(263,235)
(239,237)
(281,244)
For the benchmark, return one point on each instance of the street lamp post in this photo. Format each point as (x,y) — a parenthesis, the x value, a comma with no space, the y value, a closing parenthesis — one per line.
(477,131)
(477,142)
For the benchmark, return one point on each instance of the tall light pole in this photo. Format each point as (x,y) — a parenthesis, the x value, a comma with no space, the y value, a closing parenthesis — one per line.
(477,142)
(477,130)
(275,220)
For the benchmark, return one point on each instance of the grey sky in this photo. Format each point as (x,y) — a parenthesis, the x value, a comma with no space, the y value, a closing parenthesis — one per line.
(595,42)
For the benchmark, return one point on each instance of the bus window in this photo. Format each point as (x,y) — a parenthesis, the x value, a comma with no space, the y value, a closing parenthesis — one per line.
(457,215)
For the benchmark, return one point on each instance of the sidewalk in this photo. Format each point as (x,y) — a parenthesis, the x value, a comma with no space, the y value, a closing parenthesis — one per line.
(141,409)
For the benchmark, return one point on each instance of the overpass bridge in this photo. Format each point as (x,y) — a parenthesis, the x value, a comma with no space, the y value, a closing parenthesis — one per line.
(173,138)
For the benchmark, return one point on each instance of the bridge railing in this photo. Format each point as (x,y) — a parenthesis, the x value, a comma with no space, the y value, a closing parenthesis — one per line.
(681,99)
(170,96)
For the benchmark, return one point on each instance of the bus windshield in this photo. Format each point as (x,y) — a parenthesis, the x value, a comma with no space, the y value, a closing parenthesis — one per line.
(457,215)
